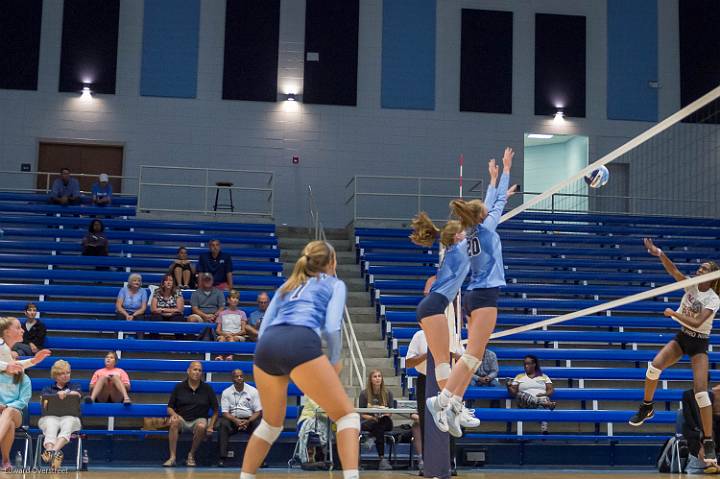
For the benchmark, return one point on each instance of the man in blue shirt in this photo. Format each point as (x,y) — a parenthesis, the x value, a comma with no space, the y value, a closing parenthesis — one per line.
(256,317)
(102,191)
(218,264)
(65,190)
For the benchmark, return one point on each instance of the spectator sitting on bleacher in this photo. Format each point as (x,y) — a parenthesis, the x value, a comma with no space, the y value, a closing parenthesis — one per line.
(486,374)
(241,412)
(256,317)
(167,302)
(102,191)
(132,299)
(376,396)
(183,270)
(532,388)
(188,407)
(207,301)
(218,264)
(56,429)
(65,190)
(111,383)
(34,333)
(231,323)
(95,243)
(15,391)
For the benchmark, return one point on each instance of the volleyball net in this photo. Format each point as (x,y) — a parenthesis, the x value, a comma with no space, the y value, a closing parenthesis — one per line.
(671,169)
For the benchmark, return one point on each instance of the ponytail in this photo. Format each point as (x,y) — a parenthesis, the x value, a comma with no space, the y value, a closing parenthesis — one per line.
(424,230)
(315,258)
(470,213)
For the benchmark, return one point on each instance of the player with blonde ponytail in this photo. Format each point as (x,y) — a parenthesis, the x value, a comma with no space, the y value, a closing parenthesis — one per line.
(310,304)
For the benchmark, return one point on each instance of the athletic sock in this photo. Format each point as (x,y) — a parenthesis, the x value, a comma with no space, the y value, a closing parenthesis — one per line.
(246,475)
(457,402)
(444,398)
(350,474)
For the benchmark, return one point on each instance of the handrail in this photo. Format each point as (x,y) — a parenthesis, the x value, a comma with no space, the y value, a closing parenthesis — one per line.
(357,362)
(261,194)
(420,196)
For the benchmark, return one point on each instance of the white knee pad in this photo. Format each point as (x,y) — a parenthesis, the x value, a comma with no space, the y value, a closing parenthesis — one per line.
(470,361)
(348,421)
(266,432)
(703,399)
(442,371)
(653,372)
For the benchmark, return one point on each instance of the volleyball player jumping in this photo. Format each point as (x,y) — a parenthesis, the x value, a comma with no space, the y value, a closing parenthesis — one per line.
(450,275)
(480,301)
(308,305)
(697,310)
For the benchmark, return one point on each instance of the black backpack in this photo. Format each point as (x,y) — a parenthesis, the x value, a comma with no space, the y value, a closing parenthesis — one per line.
(673,455)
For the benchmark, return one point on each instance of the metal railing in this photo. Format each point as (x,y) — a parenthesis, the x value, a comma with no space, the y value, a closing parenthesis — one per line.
(191,190)
(618,204)
(30,178)
(357,362)
(420,194)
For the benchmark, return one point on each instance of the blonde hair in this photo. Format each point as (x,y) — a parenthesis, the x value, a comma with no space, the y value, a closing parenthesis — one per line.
(58,367)
(315,258)
(425,232)
(470,213)
(382,395)
(5,323)
(233,294)
(133,276)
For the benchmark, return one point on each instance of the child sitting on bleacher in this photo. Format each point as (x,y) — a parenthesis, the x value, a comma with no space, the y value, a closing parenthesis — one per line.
(231,323)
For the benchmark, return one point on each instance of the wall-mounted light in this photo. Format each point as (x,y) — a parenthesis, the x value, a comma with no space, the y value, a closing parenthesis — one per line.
(559,117)
(86,91)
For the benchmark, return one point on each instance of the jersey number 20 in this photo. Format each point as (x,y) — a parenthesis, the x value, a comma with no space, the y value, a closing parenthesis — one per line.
(473,247)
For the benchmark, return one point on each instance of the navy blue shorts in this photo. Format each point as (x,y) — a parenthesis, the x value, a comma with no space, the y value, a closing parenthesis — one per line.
(431,305)
(480,298)
(284,347)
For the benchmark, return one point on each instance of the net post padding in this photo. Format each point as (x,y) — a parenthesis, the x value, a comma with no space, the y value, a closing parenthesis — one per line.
(673,119)
(668,288)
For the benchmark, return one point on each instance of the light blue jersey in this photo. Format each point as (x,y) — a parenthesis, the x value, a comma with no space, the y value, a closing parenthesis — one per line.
(317,304)
(486,263)
(452,271)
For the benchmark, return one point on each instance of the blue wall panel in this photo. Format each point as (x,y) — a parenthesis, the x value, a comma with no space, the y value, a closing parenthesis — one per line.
(170,48)
(632,60)
(408,54)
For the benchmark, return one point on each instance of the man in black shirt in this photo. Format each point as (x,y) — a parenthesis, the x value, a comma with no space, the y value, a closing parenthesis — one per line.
(188,410)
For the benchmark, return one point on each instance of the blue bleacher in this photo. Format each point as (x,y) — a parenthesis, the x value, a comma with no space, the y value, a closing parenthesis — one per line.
(80,307)
(123,262)
(81,276)
(110,292)
(44,198)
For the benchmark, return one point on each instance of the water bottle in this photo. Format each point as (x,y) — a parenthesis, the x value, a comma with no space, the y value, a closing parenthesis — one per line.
(18,460)
(85,460)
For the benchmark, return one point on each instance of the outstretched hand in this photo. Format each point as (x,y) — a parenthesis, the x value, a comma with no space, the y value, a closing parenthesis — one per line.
(669,313)
(652,249)
(512,190)
(494,171)
(508,159)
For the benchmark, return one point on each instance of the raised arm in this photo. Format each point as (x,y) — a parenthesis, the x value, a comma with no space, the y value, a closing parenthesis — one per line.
(491,193)
(333,322)
(496,208)
(669,265)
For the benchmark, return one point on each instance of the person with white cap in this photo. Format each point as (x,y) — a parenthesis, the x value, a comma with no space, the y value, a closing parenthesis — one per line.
(102,191)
